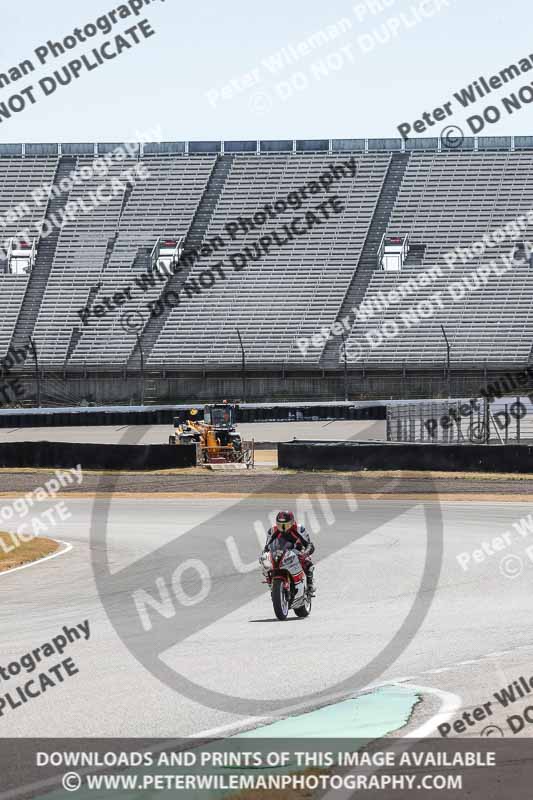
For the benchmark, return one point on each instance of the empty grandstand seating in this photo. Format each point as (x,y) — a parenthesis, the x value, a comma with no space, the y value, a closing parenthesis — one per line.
(451,199)
(162,205)
(441,200)
(366,266)
(19,178)
(491,325)
(77,266)
(12,289)
(293,290)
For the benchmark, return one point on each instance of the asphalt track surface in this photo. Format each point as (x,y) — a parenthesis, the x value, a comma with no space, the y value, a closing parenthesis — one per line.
(475,638)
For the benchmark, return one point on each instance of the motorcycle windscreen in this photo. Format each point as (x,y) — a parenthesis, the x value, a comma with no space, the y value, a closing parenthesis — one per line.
(280,544)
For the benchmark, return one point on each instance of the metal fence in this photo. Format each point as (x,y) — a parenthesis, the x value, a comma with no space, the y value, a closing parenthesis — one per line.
(467,421)
(436,144)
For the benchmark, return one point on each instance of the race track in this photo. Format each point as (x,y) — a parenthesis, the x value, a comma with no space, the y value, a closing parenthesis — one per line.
(370,562)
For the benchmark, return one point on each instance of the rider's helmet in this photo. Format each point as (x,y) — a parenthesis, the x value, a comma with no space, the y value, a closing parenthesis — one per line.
(284,521)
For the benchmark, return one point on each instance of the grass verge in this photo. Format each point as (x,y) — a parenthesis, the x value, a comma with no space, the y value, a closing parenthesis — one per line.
(15,553)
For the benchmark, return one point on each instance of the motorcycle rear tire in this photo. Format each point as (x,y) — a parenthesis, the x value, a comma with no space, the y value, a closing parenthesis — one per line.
(280,601)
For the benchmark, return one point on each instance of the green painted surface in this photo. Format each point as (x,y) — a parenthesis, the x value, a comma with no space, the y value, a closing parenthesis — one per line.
(366,717)
(361,719)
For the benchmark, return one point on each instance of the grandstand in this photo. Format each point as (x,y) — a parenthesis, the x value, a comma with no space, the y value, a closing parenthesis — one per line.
(310,275)
(436,199)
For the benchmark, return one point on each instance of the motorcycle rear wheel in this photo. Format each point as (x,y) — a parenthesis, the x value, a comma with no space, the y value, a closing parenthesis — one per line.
(280,601)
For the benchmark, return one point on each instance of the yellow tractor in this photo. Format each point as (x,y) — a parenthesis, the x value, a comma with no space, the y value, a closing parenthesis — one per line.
(215,436)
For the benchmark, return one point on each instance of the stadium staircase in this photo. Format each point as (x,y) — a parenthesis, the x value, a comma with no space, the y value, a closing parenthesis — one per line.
(75,336)
(76,331)
(369,255)
(45,258)
(125,201)
(415,256)
(109,250)
(193,241)
(142,262)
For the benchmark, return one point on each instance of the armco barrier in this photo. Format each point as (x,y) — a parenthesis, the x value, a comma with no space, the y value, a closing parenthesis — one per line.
(392,456)
(96,456)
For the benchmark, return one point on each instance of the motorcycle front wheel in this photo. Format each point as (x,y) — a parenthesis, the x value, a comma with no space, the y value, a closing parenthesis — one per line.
(280,601)
(305,610)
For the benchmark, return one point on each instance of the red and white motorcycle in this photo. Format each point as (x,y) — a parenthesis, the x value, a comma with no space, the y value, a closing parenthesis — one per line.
(284,573)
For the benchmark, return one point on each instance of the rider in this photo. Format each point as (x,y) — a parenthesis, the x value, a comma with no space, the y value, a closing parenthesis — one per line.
(286,529)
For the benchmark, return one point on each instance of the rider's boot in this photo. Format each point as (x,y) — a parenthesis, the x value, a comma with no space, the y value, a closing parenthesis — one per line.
(310,581)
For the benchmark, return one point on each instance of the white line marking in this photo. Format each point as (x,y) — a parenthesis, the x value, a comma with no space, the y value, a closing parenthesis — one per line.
(437,671)
(451,703)
(252,723)
(479,660)
(66,549)
(233,728)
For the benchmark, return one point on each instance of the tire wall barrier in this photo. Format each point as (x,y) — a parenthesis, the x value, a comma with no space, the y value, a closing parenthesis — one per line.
(298,413)
(64,455)
(60,418)
(438,457)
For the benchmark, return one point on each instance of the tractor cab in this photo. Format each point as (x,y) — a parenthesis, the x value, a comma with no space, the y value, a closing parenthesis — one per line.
(220,419)
(221,416)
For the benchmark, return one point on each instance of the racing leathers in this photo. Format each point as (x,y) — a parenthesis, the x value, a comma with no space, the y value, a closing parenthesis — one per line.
(298,537)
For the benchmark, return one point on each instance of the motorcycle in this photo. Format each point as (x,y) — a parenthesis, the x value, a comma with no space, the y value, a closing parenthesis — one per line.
(286,577)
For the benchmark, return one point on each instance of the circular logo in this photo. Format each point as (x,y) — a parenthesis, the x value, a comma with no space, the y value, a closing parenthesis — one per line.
(511,566)
(354,351)
(205,589)
(452,137)
(71,781)
(492,730)
(260,102)
(479,432)
(132,322)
